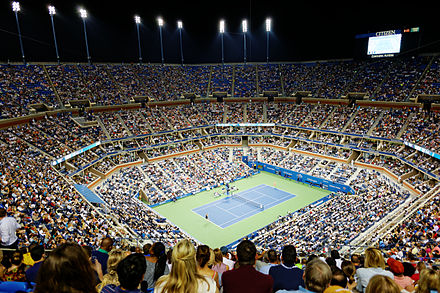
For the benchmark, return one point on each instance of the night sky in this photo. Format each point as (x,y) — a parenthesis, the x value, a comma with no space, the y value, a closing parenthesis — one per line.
(301,30)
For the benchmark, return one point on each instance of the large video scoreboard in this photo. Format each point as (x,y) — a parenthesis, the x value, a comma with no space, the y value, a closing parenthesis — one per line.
(386,43)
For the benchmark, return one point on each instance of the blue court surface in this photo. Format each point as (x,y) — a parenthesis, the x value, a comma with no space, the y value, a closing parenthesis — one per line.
(230,210)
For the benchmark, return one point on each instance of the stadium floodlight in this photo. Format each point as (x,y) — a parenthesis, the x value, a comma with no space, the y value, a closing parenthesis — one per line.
(52,12)
(222,32)
(160,23)
(83,14)
(16,8)
(180,27)
(268,30)
(244,26)
(222,26)
(137,20)
(268,24)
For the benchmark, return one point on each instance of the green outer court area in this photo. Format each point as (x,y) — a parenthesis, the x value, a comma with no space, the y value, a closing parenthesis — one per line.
(180,212)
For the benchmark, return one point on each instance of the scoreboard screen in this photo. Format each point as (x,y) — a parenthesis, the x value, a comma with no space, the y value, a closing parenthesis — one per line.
(386,43)
(389,44)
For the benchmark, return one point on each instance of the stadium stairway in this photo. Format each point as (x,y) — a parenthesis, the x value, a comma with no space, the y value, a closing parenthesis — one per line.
(376,122)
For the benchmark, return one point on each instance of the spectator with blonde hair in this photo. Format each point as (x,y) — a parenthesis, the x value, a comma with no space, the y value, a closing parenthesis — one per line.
(184,277)
(383,284)
(429,281)
(374,265)
(114,257)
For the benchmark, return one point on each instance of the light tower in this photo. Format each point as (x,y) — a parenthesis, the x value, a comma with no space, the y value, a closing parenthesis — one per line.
(52,12)
(137,20)
(268,29)
(244,26)
(180,27)
(222,32)
(83,14)
(16,8)
(160,23)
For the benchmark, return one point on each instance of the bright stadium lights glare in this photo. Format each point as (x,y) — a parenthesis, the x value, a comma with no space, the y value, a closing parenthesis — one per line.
(268,24)
(160,21)
(83,13)
(222,26)
(51,10)
(179,24)
(244,26)
(137,19)
(15,6)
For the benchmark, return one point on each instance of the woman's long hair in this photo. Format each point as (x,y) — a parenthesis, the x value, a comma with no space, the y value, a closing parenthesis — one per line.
(66,270)
(114,257)
(158,250)
(183,277)
(429,280)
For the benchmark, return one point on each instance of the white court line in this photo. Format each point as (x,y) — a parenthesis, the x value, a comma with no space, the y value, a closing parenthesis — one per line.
(239,217)
(208,220)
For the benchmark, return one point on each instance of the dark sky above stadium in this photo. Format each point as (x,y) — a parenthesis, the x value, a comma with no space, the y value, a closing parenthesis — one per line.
(301,30)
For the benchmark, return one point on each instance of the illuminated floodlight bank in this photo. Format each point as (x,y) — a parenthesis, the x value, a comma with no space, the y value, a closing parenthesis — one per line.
(137,19)
(244,26)
(16,6)
(51,10)
(268,24)
(83,13)
(222,26)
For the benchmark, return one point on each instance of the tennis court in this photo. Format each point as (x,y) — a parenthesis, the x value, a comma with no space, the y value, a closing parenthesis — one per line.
(232,209)
(183,215)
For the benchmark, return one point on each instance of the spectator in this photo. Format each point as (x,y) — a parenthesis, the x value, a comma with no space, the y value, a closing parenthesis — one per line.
(184,276)
(349,271)
(338,282)
(227,257)
(37,254)
(272,258)
(130,272)
(287,276)
(156,264)
(101,254)
(8,228)
(429,281)
(219,266)
(397,269)
(245,278)
(335,255)
(114,257)
(317,276)
(66,269)
(374,265)
(16,269)
(382,284)
(355,259)
(204,260)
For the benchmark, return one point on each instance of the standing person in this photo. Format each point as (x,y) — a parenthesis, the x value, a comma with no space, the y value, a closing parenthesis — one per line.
(16,271)
(8,227)
(130,272)
(66,269)
(184,276)
(101,254)
(317,276)
(397,269)
(246,278)
(374,265)
(156,264)
(287,276)
(203,258)
(37,255)
(272,257)
(227,257)
(114,258)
